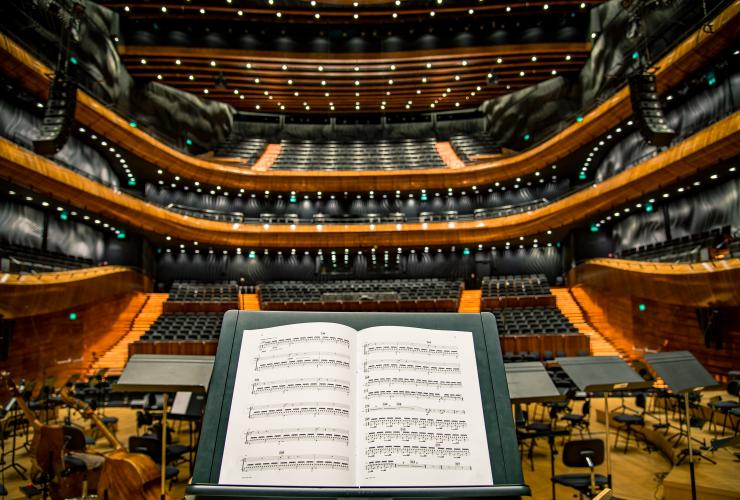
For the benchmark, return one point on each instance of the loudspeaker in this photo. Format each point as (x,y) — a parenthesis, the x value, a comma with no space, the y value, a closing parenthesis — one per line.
(6,333)
(648,111)
(60,109)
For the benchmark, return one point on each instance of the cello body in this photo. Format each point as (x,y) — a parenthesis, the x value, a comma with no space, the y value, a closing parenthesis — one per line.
(131,476)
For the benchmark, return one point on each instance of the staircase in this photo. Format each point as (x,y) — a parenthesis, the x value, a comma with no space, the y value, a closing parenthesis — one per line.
(470,301)
(448,155)
(568,305)
(133,325)
(268,157)
(249,302)
(597,317)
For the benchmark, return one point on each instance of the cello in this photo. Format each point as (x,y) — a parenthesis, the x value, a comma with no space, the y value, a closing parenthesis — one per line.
(125,475)
(47,450)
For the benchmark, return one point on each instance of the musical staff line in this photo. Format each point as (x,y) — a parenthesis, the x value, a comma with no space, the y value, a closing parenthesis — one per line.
(294,462)
(309,408)
(316,358)
(438,423)
(301,384)
(384,465)
(273,343)
(298,434)
(411,365)
(421,409)
(411,347)
(423,437)
(415,395)
(421,451)
(413,381)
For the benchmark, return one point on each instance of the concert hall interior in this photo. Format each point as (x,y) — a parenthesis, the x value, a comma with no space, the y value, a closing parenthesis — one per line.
(393,248)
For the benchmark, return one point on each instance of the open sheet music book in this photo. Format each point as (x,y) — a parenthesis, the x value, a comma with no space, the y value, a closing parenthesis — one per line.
(320,404)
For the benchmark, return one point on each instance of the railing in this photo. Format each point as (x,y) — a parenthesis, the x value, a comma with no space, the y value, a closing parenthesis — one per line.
(269,218)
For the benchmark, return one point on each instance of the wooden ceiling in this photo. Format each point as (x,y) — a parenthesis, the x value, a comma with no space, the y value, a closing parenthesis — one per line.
(418,81)
(334,82)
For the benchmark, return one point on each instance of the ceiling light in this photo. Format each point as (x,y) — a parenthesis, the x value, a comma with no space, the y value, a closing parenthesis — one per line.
(279,14)
(534,58)
(567,58)
(159,77)
(213,64)
(143,61)
(202,11)
(429,65)
(164,9)
(499,60)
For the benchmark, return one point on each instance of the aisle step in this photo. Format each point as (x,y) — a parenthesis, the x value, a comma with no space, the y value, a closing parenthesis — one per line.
(470,301)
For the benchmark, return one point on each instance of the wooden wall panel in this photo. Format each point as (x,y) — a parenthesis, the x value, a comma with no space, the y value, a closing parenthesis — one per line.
(569,344)
(183,347)
(23,295)
(53,344)
(668,326)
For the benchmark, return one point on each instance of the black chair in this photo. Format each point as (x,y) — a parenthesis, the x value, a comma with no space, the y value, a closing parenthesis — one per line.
(580,421)
(726,406)
(583,453)
(629,421)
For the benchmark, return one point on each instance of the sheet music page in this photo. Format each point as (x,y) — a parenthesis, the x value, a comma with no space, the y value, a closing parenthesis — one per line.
(291,413)
(420,419)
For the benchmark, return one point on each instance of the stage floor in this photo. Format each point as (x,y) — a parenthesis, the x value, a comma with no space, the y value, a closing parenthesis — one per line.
(637,474)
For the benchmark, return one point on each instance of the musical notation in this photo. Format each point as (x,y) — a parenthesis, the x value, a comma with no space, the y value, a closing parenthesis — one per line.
(294,462)
(422,423)
(411,347)
(315,358)
(412,381)
(385,465)
(287,409)
(411,365)
(301,384)
(421,451)
(297,434)
(421,409)
(423,437)
(440,396)
(273,343)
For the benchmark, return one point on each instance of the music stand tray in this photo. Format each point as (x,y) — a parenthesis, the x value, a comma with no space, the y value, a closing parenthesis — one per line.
(529,382)
(601,373)
(681,371)
(165,373)
(502,445)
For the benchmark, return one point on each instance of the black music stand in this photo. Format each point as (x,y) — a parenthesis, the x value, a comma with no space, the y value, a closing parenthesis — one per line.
(602,374)
(683,374)
(188,407)
(529,382)
(165,374)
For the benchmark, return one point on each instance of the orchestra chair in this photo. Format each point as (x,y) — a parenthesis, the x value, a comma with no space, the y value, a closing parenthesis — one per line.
(629,422)
(580,421)
(726,406)
(152,447)
(3,491)
(78,459)
(581,454)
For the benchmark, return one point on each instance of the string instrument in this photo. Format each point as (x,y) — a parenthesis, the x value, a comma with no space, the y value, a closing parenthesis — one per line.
(47,449)
(125,475)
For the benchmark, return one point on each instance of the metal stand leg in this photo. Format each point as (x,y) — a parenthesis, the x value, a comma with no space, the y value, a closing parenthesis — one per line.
(691,453)
(608,446)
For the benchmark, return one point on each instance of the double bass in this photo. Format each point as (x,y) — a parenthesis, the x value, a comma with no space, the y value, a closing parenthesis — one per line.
(125,475)
(47,450)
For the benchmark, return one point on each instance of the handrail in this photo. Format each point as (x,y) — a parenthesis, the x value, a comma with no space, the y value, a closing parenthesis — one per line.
(686,57)
(700,151)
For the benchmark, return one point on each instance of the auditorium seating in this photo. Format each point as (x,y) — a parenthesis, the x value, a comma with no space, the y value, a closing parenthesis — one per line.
(468,147)
(692,248)
(515,291)
(188,326)
(358,155)
(236,146)
(202,297)
(23,259)
(533,321)
(362,295)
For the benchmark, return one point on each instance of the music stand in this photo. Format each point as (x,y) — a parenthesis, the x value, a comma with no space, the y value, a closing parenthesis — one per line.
(602,374)
(165,374)
(683,374)
(529,382)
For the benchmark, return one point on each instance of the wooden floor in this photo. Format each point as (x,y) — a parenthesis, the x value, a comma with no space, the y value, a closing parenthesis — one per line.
(637,474)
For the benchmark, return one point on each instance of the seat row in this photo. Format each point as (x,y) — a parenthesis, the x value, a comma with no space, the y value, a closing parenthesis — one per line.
(203,292)
(23,259)
(190,326)
(468,147)
(533,321)
(248,149)
(531,284)
(691,248)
